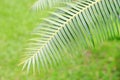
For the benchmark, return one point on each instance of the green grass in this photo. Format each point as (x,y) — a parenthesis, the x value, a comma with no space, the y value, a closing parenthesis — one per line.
(16,24)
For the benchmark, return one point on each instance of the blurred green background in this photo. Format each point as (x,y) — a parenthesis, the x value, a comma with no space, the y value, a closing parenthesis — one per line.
(16,24)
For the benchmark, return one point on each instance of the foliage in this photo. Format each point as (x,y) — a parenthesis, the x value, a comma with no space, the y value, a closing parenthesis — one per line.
(16,23)
(43,4)
(83,23)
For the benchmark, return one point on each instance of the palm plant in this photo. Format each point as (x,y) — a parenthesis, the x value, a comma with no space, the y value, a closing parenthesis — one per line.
(43,4)
(82,23)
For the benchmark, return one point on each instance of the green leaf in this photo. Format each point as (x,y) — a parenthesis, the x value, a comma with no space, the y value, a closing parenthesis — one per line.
(43,4)
(84,24)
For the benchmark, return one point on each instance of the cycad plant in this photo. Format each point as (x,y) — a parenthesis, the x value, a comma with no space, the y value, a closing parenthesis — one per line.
(80,23)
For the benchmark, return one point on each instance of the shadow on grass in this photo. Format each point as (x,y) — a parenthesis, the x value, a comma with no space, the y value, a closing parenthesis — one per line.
(118,65)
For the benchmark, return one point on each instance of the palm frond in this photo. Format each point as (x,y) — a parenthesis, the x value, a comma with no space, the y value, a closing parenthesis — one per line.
(86,23)
(43,4)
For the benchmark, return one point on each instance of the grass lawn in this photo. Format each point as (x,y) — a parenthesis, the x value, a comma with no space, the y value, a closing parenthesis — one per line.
(16,24)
